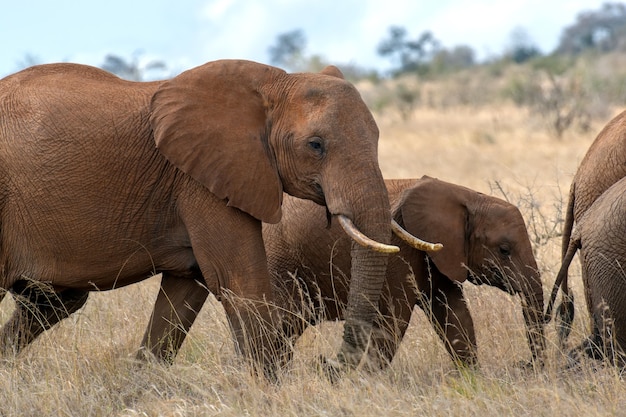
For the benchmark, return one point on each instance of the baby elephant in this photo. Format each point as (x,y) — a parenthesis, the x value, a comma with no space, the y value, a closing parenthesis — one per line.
(600,235)
(484,241)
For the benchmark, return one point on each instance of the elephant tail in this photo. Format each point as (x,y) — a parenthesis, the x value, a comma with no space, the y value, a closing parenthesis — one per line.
(566,242)
(565,311)
(568,225)
(569,247)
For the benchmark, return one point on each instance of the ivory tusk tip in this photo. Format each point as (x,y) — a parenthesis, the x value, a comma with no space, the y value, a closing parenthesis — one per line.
(415,242)
(390,249)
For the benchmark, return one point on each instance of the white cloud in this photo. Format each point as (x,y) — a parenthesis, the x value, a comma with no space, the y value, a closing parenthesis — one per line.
(214,10)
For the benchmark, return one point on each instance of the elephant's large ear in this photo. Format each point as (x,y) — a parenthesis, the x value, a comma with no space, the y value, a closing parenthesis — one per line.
(431,210)
(210,122)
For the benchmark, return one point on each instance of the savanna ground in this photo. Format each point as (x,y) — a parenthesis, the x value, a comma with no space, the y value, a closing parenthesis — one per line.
(84,367)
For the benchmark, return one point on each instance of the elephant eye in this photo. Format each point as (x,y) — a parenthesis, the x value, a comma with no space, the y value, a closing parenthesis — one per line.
(317,145)
(505,250)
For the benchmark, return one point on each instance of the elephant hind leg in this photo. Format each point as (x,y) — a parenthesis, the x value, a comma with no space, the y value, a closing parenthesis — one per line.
(592,347)
(607,337)
(38,308)
(178,303)
(601,345)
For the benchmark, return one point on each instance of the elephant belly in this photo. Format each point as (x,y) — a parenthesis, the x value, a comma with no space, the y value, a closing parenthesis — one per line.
(98,270)
(70,252)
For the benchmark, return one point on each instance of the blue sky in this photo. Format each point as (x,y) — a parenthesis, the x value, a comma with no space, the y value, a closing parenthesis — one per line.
(186,33)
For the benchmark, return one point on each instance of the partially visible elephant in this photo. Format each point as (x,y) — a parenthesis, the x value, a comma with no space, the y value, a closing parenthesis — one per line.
(106,182)
(600,236)
(603,165)
(484,240)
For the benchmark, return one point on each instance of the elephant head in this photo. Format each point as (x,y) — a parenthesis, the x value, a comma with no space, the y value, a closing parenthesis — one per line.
(486,242)
(248,132)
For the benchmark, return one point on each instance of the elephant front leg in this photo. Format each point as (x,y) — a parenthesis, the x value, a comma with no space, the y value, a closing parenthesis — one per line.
(37,309)
(255,325)
(453,323)
(254,318)
(177,305)
(232,252)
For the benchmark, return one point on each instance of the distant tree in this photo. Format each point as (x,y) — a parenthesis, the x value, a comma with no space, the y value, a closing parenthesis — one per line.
(132,70)
(521,47)
(288,52)
(602,30)
(28,61)
(450,60)
(408,55)
(353,72)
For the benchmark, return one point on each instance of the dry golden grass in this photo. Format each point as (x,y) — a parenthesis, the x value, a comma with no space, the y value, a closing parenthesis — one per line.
(83,367)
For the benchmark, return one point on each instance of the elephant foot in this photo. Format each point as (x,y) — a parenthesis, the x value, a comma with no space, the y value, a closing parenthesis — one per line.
(144,356)
(529,366)
(588,348)
(332,369)
(534,364)
(335,369)
(572,360)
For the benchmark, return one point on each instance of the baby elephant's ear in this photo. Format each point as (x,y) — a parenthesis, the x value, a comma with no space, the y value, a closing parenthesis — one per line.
(431,210)
(210,122)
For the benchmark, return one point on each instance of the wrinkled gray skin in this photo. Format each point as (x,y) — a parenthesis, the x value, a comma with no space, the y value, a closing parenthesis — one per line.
(600,238)
(484,241)
(603,165)
(105,182)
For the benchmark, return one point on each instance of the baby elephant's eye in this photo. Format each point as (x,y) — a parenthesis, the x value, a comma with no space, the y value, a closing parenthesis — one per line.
(505,250)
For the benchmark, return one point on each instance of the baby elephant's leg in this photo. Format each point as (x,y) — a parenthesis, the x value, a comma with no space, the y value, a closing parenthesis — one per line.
(453,322)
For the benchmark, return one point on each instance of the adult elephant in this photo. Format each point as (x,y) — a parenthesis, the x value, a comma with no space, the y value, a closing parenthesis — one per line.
(603,165)
(600,236)
(105,182)
(484,241)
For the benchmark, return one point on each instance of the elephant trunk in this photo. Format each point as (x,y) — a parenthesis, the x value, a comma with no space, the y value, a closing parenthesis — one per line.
(371,214)
(362,303)
(532,309)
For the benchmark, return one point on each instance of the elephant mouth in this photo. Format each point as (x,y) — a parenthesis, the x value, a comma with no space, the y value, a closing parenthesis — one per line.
(504,283)
(360,238)
(494,276)
(318,195)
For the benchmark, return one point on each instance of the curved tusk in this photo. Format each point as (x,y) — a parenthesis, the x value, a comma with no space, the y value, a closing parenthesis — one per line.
(416,242)
(363,240)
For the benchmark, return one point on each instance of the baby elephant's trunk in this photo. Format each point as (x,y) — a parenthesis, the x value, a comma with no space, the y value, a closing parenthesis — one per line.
(532,309)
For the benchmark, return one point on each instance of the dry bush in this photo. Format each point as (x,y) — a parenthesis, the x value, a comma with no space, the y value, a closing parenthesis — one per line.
(561,93)
(84,366)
